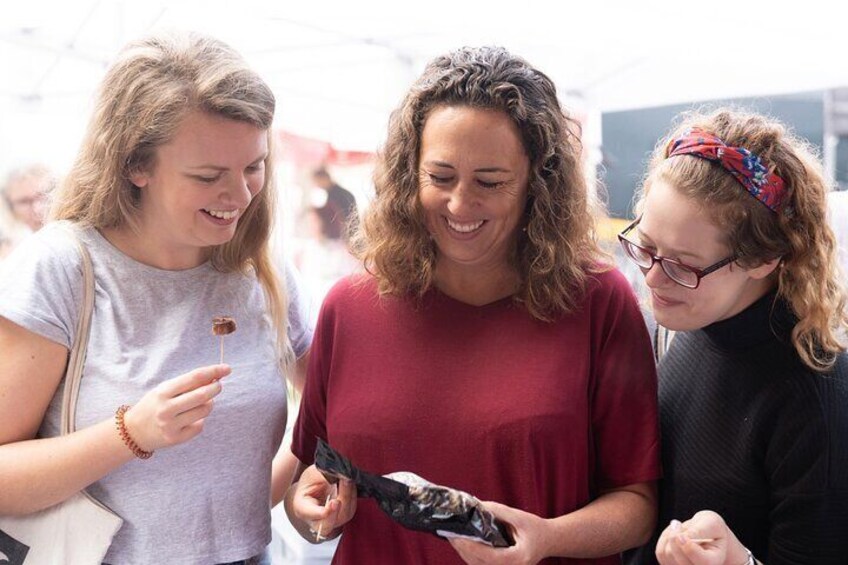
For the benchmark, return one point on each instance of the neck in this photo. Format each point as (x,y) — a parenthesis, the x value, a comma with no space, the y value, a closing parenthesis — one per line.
(478,286)
(152,249)
(755,290)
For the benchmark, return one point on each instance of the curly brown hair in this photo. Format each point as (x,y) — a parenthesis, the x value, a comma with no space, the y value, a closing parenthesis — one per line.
(798,234)
(558,249)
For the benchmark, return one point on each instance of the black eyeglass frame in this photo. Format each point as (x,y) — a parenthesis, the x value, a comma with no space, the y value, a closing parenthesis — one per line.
(699,273)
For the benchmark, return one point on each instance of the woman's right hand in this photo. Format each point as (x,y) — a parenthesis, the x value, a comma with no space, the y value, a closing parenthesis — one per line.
(311,493)
(174,411)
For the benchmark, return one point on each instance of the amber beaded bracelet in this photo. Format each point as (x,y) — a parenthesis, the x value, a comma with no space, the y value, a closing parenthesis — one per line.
(125,435)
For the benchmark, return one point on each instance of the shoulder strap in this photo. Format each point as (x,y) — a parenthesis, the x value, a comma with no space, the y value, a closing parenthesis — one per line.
(76,359)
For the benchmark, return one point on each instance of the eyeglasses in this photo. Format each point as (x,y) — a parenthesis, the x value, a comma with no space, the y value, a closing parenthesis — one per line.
(681,273)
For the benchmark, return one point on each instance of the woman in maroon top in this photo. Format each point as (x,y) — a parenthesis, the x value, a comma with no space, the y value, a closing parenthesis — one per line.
(489,349)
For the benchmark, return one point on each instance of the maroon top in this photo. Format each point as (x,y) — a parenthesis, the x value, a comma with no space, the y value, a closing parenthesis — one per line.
(534,415)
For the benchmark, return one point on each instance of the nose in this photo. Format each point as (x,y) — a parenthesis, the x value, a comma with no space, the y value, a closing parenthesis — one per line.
(655,277)
(238,192)
(461,200)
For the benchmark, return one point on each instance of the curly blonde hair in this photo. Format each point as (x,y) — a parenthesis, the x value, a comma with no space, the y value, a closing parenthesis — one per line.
(798,234)
(558,249)
(154,83)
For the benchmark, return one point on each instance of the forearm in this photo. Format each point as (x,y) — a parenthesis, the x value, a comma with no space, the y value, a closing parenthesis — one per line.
(283,469)
(36,474)
(612,523)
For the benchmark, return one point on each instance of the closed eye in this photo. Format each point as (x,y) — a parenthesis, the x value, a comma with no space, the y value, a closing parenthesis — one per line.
(205,179)
(490,185)
(435,179)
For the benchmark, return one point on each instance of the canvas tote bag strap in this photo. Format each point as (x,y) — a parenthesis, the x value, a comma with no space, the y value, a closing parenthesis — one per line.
(76,359)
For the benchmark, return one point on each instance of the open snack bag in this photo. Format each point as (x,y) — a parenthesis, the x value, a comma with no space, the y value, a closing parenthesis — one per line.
(417,504)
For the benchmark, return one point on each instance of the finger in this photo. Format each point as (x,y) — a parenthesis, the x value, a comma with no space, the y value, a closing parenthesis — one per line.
(192,399)
(189,432)
(465,549)
(514,520)
(677,546)
(663,551)
(476,552)
(187,418)
(346,490)
(706,524)
(343,500)
(193,379)
(695,552)
(310,508)
(333,517)
(499,510)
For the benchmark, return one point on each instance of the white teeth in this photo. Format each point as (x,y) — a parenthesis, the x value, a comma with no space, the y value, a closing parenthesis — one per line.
(224,215)
(464,228)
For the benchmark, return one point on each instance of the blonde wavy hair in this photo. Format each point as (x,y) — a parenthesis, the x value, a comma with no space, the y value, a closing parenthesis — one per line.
(154,83)
(556,252)
(798,234)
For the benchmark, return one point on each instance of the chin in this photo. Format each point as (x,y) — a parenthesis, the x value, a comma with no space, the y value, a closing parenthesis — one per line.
(675,323)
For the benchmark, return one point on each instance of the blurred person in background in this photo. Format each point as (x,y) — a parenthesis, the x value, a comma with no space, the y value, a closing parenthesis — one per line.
(338,209)
(733,239)
(489,348)
(24,192)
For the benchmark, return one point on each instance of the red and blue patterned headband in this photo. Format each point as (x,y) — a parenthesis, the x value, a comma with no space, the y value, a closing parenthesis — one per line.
(746,167)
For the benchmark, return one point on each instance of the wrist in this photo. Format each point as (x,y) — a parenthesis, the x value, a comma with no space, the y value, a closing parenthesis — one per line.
(740,556)
(547,539)
(122,415)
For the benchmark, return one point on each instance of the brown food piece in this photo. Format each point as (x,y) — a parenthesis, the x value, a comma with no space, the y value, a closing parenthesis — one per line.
(223,325)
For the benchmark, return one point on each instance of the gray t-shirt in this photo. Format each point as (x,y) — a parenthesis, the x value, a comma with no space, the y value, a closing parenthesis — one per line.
(204,501)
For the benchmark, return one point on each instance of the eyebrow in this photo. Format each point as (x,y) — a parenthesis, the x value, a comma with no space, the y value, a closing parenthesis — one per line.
(675,252)
(224,169)
(446,165)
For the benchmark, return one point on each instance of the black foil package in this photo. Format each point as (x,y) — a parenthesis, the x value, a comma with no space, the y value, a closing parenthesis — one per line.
(417,504)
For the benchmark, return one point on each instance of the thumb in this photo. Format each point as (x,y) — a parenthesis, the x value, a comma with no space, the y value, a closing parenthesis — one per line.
(347,489)
(501,511)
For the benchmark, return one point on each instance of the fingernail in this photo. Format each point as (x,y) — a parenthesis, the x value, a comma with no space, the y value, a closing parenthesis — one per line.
(675,525)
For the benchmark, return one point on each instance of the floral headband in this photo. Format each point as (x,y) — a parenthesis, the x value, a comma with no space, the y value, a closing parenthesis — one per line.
(746,167)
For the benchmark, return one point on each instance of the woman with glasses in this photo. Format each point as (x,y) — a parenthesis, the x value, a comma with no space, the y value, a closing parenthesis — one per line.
(733,240)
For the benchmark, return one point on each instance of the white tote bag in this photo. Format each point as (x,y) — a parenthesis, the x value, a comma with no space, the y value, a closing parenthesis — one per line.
(79,530)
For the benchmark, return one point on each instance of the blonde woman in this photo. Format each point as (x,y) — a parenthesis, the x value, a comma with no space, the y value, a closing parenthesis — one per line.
(733,239)
(172,195)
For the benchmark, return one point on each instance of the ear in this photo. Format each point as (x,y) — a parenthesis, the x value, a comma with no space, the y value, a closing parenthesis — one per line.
(139,179)
(764,270)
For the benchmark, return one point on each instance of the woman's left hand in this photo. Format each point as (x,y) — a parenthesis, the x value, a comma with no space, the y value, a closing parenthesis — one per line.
(528,530)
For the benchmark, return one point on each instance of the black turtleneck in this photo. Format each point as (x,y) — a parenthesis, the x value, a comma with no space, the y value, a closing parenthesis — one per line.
(752,433)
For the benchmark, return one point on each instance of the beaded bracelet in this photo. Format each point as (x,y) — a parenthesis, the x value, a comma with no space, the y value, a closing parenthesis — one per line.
(125,435)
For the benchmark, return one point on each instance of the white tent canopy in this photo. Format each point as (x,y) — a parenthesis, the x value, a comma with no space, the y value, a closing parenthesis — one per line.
(338,68)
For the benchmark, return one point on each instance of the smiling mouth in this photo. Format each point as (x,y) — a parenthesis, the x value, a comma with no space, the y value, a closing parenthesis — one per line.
(665,300)
(464,227)
(221,214)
